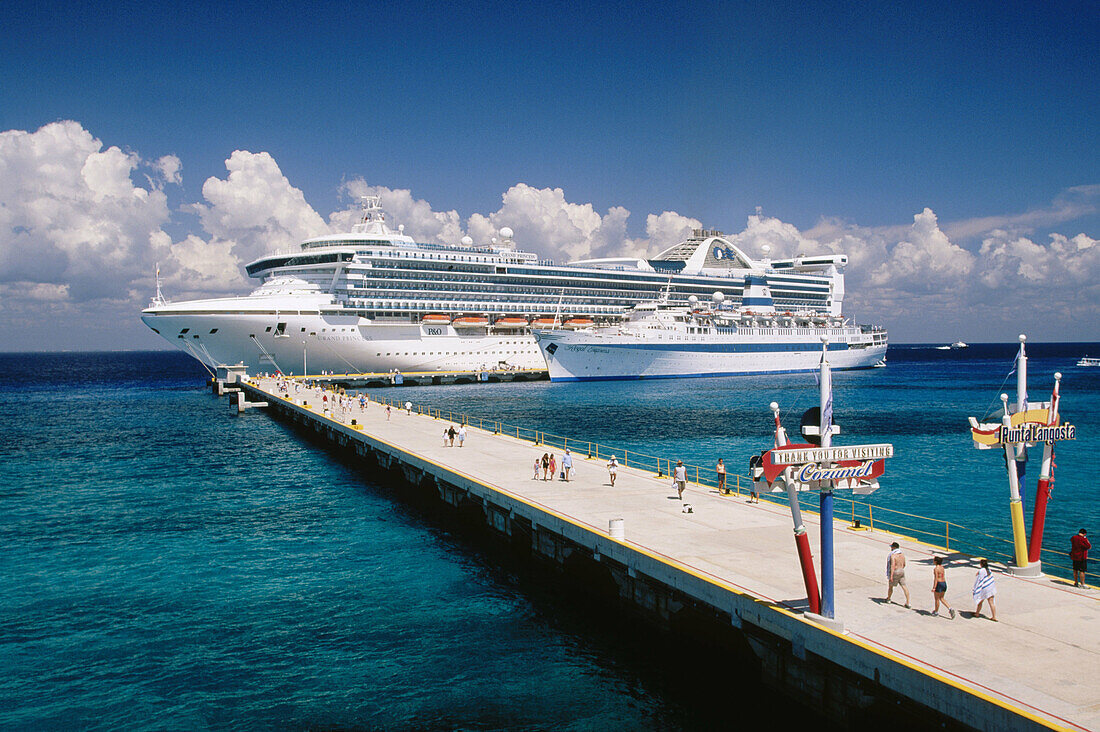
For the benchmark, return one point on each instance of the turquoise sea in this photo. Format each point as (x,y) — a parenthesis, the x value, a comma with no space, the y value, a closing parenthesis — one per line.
(169,564)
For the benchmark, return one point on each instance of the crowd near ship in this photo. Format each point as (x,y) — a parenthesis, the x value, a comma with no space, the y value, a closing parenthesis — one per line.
(375,300)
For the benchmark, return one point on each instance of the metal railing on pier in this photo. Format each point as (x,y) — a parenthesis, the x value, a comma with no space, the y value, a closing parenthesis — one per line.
(861,515)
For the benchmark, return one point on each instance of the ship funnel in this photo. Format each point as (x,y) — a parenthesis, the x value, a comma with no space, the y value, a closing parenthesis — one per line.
(757,296)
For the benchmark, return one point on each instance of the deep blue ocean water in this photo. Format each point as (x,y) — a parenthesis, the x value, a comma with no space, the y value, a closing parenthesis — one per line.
(169,564)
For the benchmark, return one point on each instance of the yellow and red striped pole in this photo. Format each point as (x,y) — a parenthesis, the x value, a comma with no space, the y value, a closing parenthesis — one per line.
(1015,504)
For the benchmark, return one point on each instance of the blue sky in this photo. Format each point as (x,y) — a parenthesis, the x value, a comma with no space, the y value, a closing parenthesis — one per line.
(856,116)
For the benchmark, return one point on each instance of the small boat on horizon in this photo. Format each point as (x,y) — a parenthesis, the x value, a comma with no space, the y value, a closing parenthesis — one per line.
(1089,361)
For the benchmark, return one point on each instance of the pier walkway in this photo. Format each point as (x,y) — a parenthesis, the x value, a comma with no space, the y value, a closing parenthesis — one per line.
(1038,666)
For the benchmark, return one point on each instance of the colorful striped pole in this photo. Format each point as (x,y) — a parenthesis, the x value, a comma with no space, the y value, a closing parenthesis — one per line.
(1042,494)
(801,539)
(1016,462)
(1015,505)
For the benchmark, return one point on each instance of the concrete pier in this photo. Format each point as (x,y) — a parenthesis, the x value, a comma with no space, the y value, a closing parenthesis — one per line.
(730,568)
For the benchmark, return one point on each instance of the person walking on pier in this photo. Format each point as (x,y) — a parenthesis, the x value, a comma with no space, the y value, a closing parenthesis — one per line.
(553,467)
(939,587)
(545,465)
(612,469)
(567,466)
(895,572)
(408,407)
(679,479)
(1079,553)
(461,434)
(444,437)
(387,412)
(451,435)
(721,470)
(538,466)
(985,589)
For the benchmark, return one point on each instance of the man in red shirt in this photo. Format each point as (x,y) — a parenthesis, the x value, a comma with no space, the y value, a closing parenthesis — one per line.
(1079,553)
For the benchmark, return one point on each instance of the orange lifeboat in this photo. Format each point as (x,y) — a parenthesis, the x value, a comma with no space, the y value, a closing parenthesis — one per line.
(511,321)
(436,319)
(543,323)
(579,323)
(470,321)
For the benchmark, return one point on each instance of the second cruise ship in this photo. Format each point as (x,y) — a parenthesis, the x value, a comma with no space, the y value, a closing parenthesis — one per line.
(374,300)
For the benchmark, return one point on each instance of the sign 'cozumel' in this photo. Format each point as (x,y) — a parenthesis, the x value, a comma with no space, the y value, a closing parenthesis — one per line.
(812,463)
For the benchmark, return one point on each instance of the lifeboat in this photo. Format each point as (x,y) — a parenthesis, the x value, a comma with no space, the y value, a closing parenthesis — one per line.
(470,321)
(543,323)
(580,323)
(436,319)
(511,321)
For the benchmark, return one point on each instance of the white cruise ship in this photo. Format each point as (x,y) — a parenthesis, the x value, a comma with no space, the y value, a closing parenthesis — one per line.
(659,340)
(374,300)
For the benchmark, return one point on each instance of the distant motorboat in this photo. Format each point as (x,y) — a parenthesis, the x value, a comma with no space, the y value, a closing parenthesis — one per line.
(1089,361)
(959,344)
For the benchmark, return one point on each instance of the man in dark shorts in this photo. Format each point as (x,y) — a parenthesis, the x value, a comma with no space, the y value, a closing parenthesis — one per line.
(1079,553)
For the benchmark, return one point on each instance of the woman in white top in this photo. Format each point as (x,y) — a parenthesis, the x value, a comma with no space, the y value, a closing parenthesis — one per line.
(985,589)
(612,468)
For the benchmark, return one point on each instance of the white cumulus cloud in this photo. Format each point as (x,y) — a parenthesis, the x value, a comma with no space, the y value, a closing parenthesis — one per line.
(71,216)
(170,168)
(925,261)
(79,239)
(255,207)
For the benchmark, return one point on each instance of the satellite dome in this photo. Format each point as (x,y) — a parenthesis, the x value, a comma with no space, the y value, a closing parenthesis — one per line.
(507,232)
(693,299)
(467,241)
(718,297)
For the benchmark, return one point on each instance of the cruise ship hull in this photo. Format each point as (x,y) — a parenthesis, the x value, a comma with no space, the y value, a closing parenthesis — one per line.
(338,343)
(582,356)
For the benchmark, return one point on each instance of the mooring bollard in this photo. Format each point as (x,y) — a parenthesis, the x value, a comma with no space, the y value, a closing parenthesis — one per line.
(615,528)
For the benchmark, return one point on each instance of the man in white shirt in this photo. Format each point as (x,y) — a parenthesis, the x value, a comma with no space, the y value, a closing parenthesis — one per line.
(679,478)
